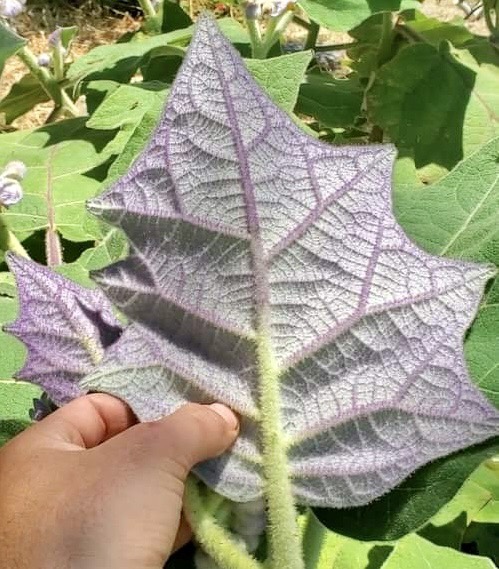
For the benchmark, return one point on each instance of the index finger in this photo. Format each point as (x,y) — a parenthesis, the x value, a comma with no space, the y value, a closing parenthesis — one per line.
(85,422)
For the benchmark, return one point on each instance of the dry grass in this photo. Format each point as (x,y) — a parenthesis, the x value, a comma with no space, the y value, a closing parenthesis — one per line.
(99,26)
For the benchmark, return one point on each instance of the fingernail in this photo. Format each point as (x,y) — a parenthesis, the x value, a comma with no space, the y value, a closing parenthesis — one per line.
(227,414)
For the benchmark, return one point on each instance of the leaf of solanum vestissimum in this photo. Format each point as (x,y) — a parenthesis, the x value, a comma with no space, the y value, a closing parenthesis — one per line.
(409,506)
(22,97)
(332,102)
(267,264)
(120,61)
(280,77)
(449,525)
(415,552)
(125,108)
(443,125)
(56,185)
(343,15)
(65,327)
(110,248)
(10,43)
(323,549)
(13,351)
(16,398)
(457,216)
(434,31)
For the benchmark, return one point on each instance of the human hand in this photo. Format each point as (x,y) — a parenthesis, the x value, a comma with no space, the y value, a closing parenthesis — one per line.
(88,488)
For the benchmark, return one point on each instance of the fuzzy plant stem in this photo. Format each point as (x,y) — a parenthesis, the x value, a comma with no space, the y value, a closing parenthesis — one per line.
(48,82)
(148,8)
(215,540)
(8,241)
(275,28)
(255,34)
(283,531)
(53,248)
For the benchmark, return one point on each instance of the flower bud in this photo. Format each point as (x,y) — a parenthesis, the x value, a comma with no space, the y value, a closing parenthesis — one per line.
(11,191)
(44,59)
(54,38)
(252,10)
(280,6)
(11,8)
(15,170)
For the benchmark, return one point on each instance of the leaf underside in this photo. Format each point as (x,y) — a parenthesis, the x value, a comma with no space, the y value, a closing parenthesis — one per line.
(261,256)
(65,327)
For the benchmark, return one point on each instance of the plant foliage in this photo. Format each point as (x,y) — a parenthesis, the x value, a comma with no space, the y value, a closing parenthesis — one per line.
(246,235)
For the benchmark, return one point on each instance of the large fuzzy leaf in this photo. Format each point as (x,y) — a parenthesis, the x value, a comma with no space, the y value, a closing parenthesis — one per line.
(64,326)
(267,271)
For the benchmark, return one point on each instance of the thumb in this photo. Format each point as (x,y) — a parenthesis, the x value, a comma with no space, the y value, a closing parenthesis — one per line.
(190,435)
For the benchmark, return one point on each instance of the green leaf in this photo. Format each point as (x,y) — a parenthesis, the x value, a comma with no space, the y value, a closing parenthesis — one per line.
(442,125)
(13,351)
(16,398)
(173,17)
(484,538)
(457,216)
(332,102)
(120,61)
(110,248)
(140,123)
(56,186)
(324,549)
(67,36)
(281,76)
(449,525)
(434,31)
(10,43)
(415,552)
(343,15)
(409,506)
(125,108)
(22,97)
(481,346)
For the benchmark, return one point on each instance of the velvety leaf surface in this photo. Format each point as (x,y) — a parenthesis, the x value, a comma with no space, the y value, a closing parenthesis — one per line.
(66,339)
(457,216)
(280,77)
(13,351)
(475,500)
(409,506)
(263,261)
(16,398)
(441,125)
(324,549)
(342,15)
(333,102)
(120,61)
(414,552)
(10,43)
(110,248)
(22,97)
(56,184)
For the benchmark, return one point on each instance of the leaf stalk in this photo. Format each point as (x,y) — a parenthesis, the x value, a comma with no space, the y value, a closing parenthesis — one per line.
(284,533)
(8,240)
(48,82)
(214,539)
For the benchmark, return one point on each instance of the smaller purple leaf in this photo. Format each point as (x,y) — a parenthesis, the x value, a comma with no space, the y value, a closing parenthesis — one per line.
(65,327)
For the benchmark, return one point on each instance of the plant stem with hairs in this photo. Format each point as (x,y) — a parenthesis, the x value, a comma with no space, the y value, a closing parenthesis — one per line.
(48,82)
